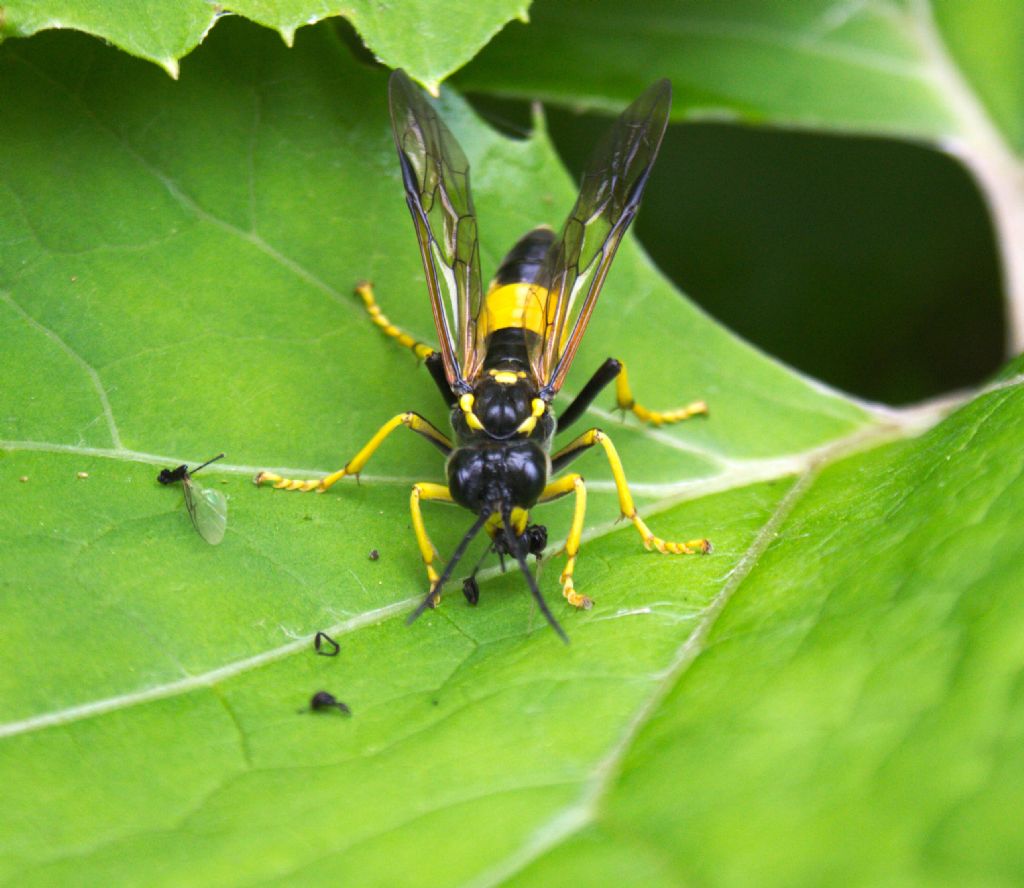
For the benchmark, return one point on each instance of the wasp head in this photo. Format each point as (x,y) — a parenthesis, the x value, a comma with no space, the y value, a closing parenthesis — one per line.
(489,474)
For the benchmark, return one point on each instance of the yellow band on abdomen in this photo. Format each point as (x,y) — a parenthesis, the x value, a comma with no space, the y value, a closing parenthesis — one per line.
(515,305)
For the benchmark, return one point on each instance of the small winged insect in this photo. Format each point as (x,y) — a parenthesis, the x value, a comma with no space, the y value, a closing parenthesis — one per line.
(207,508)
(504,351)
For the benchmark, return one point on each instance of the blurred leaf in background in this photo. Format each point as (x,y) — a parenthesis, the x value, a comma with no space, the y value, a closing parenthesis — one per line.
(881,249)
(867,263)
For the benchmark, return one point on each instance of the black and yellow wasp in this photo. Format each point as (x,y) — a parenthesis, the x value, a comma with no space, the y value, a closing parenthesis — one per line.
(505,353)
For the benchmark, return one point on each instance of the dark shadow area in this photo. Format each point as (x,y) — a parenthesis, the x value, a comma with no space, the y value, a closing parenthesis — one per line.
(867,263)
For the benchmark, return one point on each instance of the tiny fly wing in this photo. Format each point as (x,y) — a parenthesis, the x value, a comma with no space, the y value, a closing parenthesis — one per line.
(208,510)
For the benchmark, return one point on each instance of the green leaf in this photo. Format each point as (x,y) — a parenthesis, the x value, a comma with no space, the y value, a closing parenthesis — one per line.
(812,63)
(986,41)
(160,32)
(175,270)
(418,36)
(942,71)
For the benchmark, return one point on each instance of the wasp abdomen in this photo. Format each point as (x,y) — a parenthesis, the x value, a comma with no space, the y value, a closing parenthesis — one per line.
(522,264)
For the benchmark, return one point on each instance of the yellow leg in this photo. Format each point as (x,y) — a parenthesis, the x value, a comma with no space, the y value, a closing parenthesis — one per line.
(427,492)
(626,505)
(554,490)
(625,401)
(355,465)
(365,291)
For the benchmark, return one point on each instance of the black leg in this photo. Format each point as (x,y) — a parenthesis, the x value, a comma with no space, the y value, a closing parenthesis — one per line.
(435,364)
(605,374)
(435,436)
(570,452)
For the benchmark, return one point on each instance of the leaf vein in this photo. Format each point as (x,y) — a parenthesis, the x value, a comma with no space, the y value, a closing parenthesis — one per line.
(808,43)
(205,680)
(94,377)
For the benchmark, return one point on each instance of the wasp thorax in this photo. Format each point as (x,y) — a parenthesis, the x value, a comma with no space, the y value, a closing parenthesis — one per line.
(492,473)
(502,407)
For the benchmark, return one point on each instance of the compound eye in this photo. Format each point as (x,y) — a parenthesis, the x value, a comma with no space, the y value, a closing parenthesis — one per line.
(466,479)
(527,474)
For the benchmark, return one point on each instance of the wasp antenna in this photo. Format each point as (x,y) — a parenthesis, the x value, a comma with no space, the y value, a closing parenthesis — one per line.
(460,550)
(205,464)
(520,554)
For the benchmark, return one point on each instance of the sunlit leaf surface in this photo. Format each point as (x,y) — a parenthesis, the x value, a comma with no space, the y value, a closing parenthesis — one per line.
(430,38)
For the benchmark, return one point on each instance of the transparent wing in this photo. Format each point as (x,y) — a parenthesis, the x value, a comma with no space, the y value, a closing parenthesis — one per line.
(578,261)
(208,510)
(436,177)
